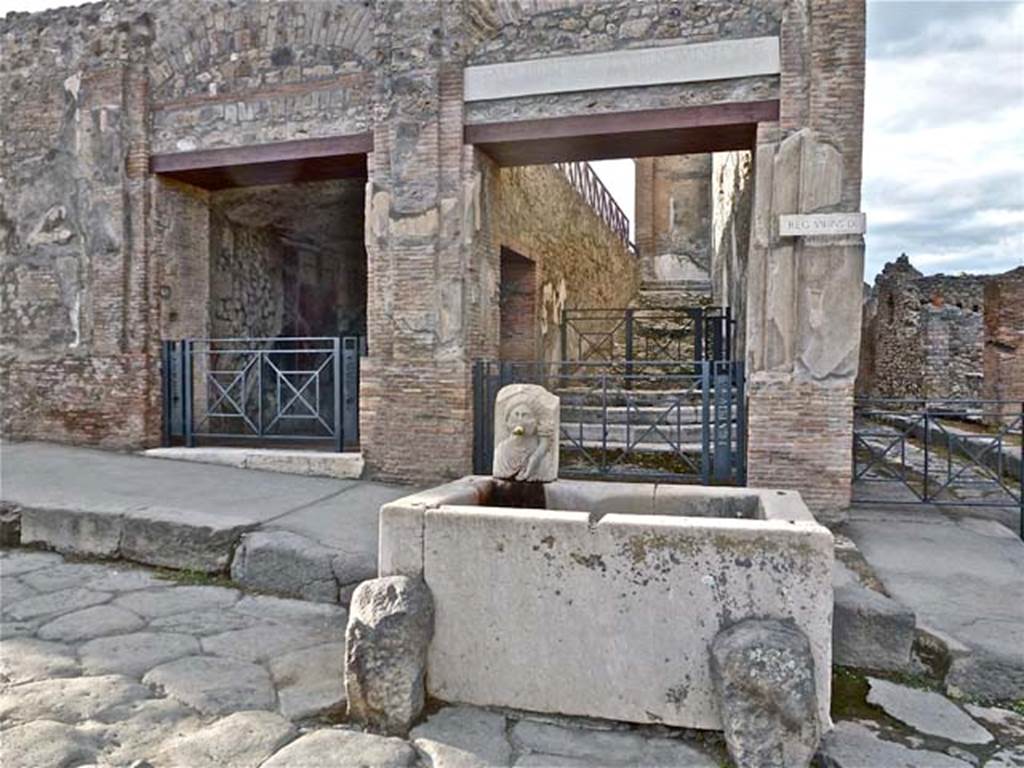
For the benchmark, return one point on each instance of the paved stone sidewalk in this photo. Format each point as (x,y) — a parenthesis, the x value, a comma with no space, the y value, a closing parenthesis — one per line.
(963,576)
(307,537)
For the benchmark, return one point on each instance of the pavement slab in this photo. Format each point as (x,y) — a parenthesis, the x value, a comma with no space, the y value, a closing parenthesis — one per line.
(18,561)
(606,747)
(68,700)
(310,681)
(47,743)
(167,601)
(853,745)
(213,685)
(133,655)
(25,660)
(926,712)
(265,641)
(89,623)
(344,748)
(463,737)
(960,576)
(241,739)
(52,604)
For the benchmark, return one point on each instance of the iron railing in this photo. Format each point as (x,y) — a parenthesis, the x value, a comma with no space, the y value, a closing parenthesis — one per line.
(962,453)
(638,334)
(589,186)
(262,390)
(652,422)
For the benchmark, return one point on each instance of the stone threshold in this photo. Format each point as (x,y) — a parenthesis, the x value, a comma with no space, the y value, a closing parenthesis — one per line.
(342,466)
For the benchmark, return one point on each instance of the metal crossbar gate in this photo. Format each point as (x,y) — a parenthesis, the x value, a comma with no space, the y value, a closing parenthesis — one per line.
(262,390)
(651,335)
(640,421)
(963,453)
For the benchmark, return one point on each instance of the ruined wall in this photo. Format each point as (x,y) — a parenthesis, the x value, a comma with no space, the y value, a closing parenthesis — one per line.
(246,279)
(88,93)
(225,74)
(1004,340)
(288,260)
(673,219)
(732,199)
(74,352)
(581,262)
(922,336)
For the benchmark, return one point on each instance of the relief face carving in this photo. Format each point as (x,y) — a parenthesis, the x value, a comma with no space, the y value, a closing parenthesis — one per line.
(526,424)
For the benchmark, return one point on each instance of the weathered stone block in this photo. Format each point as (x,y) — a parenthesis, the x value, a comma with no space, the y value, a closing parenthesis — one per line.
(763,671)
(72,532)
(574,591)
(870,630)
(285,563)
(389,628)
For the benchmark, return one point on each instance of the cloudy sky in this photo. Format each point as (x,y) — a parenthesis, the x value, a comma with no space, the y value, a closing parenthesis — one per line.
(944,134)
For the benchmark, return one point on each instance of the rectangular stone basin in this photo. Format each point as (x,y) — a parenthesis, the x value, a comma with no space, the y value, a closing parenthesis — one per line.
(605,601)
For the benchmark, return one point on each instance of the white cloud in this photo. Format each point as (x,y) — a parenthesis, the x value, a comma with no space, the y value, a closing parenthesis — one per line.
(944,135)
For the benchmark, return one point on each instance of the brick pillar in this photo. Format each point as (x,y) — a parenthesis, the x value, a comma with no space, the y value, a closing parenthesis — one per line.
(416,397)
(804,294)
(1004,343)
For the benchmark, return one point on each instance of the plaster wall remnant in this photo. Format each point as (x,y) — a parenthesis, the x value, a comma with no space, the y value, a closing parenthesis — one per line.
(89,94)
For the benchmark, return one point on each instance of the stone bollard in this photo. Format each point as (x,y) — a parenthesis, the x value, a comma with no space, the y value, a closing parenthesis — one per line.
(390,624)
(763,674)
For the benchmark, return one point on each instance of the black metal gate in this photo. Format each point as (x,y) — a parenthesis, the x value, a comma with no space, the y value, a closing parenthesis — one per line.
(674,421)
(957,453)
(628,334)
(301,390)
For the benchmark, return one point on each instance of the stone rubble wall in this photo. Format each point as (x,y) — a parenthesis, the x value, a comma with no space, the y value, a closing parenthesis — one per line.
(923,336)
(246,280)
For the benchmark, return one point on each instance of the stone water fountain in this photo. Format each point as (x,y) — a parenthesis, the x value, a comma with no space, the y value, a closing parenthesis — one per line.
(688,606)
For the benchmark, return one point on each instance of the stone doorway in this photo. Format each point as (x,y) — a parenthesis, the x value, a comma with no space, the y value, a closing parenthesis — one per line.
(264,299)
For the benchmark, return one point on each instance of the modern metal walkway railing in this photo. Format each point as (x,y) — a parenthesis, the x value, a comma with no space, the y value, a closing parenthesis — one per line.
(590,187)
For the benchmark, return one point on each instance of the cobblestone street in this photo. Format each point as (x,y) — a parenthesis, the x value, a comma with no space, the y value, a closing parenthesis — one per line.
(111,665)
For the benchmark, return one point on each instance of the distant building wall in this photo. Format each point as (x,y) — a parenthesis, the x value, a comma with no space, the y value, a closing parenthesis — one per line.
(673,220)
(922,336)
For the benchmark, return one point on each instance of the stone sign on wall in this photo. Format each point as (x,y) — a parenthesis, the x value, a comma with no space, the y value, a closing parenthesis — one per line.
(804,224)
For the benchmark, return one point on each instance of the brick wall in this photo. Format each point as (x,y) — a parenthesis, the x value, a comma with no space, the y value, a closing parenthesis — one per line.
(801,436)
(1004,338)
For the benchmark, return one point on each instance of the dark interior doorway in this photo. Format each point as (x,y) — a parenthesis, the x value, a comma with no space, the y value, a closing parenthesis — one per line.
(518,302)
